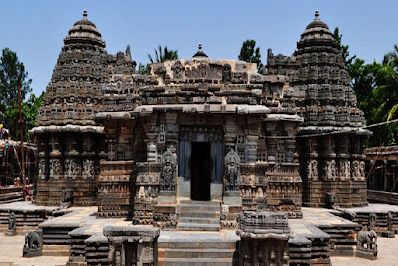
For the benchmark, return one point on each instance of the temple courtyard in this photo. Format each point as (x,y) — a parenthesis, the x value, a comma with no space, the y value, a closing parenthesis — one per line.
(11,254)
(322,235)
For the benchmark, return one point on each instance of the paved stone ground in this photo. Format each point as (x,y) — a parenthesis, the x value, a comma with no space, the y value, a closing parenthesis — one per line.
(387,255)
(11,254)
(11,247)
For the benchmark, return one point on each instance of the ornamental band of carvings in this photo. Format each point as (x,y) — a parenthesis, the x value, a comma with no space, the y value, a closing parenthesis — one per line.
(232,171)
(168,173)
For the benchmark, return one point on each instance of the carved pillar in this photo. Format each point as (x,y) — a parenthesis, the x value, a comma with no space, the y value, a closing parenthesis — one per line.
(230,132)
(72,164)
(55,169)
(171,131)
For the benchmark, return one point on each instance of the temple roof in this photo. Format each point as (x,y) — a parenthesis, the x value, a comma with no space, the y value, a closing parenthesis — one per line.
(200,52)
(84,30)
(317,34)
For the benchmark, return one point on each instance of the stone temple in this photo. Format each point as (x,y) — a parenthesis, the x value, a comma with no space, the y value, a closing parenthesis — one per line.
(203,144)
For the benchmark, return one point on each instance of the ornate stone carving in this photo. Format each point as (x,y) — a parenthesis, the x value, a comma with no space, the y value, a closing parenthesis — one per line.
(12,224)
(367,244)
(313,170)
(88,169)
(330,170)
(72,168)
(169,172)
(42,169)
(33,244)
(55,168)
(232,171)
(344,170)
(372,221)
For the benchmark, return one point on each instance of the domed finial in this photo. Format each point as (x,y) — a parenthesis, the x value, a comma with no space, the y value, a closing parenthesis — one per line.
(317,14)
(85,13)
(200,52)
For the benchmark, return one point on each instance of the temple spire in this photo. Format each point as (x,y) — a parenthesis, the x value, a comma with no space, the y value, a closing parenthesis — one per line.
(317,15)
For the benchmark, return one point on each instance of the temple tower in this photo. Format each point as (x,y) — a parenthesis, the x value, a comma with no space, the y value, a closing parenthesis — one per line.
(69,140)
(330,142)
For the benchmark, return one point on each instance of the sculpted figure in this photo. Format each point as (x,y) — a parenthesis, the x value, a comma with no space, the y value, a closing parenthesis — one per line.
(372,221)
(33,244)
(313,170)
(367,241)
(168,173)
(232,171)
(12,226)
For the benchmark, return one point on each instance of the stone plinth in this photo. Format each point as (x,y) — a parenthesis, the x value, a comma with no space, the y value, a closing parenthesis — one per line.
(264,238)
(132,245)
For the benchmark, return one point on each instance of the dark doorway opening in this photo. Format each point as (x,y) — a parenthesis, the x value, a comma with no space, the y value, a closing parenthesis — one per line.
(200,171)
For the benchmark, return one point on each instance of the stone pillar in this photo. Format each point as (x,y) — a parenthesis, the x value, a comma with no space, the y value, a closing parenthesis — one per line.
(55,168)
(230,132)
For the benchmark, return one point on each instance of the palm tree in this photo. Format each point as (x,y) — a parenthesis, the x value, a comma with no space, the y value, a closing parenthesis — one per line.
(163,54)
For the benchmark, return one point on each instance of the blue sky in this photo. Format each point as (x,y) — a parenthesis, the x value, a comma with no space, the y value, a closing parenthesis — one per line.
(36,29)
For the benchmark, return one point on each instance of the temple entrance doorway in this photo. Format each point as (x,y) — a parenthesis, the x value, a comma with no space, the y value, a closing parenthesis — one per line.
(200,171)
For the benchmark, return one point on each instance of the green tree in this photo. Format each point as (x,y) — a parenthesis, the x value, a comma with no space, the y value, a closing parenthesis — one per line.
(30,109)
(250,53)
(163,54)
(12,70)
(343,49)
(143,69)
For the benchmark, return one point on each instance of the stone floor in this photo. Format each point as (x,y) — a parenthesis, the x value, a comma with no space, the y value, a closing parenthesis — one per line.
(11,254)
(387,255)
(84,217)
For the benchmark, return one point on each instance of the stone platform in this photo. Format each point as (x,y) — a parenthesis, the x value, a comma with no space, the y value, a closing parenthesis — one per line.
(28,215)
(318,238)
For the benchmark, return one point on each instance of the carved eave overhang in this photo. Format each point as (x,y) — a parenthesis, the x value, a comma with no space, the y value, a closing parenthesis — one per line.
(67,128)
(284,117)
(203,109)
(131,231)
(389,153)
(335,130)
(113,115)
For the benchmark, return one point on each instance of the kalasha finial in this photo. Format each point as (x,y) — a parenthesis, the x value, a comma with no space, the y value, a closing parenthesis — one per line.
(316,14)
(85,13)
(200,47)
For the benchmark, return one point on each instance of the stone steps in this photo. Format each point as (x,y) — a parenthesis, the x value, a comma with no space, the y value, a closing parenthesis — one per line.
(197,248)
(197,244)
(195,262)
(199,220)
(196,253)
(199,215)
(197,227)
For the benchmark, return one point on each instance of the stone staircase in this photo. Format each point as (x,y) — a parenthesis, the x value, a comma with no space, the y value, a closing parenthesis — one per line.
(199,215)
(197,248)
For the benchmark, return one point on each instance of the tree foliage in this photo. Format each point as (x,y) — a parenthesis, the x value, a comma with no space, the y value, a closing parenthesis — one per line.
(163,54)
(12,70)
(376,87)
(250,53)
(343,49)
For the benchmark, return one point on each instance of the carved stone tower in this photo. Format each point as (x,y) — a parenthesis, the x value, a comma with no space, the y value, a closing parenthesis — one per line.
(69,139)
(330,142)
